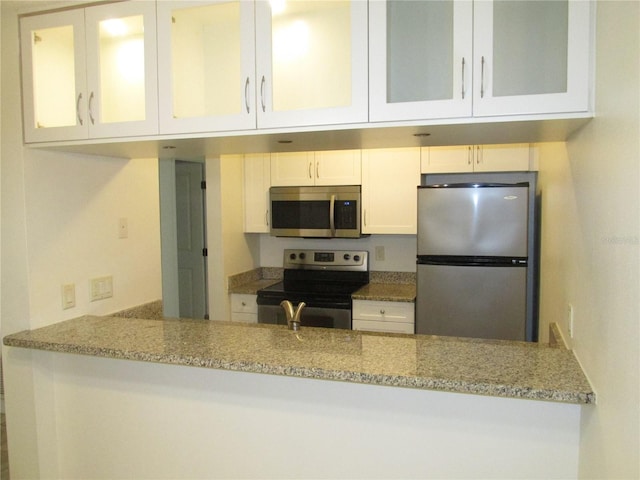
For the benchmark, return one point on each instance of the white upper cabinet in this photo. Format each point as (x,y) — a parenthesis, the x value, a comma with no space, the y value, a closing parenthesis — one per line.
(90,73)
(339,167)
(390,177)
(531,57)
(54,77)
(458,58)
(206,66)
(257,180)
(311,62)
(420,59)
(477,158)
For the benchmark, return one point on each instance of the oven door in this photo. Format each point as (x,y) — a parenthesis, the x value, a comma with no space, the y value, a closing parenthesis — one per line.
(310,317)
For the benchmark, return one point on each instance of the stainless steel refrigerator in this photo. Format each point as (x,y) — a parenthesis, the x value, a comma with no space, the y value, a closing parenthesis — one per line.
(473,265)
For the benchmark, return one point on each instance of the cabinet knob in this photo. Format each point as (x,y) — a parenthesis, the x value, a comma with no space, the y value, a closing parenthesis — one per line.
(382,311)
(244,304)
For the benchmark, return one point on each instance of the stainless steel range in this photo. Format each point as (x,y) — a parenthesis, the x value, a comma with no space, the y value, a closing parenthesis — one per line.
(324,280)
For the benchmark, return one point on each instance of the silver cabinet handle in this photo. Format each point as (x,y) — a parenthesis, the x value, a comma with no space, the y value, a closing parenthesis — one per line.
(482,77)
(93,121)
(463,78)
(332,213)
(266,218)
(317,169)
(80,119)
(246,94)
(262,102)
(478,154)
(469,155)
(310,170)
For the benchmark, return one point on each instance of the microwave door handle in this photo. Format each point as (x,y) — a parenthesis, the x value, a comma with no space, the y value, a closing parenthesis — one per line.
(332,213)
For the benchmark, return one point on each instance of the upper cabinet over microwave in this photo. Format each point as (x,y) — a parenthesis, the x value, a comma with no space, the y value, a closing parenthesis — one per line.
(451,58)
(90,73)
(309,68)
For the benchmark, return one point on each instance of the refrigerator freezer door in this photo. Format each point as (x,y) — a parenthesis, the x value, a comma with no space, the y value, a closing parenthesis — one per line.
(480,302)
(473,221)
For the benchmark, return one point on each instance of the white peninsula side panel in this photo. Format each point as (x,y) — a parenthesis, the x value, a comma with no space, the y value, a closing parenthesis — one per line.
(106,418)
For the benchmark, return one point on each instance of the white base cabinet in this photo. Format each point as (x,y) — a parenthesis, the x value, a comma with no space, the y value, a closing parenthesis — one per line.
(244,308)
(477,158)
(388,317)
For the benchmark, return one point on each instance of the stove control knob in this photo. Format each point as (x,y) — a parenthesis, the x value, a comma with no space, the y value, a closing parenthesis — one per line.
(292,256)
(346,256)
(302,255)
(356,258)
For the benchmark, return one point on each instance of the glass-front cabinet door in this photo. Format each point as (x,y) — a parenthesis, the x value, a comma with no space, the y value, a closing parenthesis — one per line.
(531,56)
(122,69)
(311,62)
(420,59)
(207,66)
(54,76)
(90,73)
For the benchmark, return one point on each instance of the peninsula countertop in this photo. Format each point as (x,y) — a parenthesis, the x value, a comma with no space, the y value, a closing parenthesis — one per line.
(485,367)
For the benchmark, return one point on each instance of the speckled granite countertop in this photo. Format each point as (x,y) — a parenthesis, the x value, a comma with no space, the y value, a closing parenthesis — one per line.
(496,368)
(386,292)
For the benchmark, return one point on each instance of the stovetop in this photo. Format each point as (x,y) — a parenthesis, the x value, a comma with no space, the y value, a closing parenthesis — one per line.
(325,273)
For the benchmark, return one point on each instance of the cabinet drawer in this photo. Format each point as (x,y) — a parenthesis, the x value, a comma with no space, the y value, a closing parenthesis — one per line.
(383,326)
(244,303)
(399,312)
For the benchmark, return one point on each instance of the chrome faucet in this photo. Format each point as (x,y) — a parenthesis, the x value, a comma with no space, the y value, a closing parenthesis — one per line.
(293,317)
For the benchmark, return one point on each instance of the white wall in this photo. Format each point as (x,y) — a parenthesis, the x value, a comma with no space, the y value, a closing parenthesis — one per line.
(400,250)
(231,251)
(60,225)
(591,243)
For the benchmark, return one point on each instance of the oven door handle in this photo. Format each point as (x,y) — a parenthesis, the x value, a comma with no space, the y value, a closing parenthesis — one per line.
(332,213)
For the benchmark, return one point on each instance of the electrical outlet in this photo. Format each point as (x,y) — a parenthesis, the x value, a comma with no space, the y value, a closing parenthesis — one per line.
(379,254)
(570,326)
(68,296)
(101,288)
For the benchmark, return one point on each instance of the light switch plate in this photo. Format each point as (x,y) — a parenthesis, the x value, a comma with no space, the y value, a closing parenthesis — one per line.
(68,296)
(101,288)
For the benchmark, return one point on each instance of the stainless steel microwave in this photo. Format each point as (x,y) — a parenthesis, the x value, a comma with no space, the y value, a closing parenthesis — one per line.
(316,212)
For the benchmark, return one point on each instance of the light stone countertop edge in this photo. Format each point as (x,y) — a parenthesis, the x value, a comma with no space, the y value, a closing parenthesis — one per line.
(432,363)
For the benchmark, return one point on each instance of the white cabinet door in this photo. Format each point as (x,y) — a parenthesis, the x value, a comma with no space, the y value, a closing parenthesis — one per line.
(122,74)
(338,167)
(476,158)
(292,169)
(90,73)
(311,62)
(503,158)
(54,77)
(420,59)
(389,190)
(257,180)
(206,66)
(531,57)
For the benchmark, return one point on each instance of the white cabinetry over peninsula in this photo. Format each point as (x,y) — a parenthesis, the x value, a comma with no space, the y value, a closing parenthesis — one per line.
(483,58)
(90,73)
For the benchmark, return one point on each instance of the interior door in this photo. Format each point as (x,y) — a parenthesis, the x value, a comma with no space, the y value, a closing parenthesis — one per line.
(191,240)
